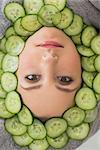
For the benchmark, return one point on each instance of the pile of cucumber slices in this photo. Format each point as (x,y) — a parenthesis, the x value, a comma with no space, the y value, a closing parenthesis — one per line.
(25,129)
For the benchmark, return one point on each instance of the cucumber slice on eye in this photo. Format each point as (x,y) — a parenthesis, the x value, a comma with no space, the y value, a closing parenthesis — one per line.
(55,127)
(74,116)
(88,34)
(20,30)
(97,63)
(85,99)
(14,45)
(30,23)
(96,83)
(2,44)
(9,32)
(37,130)
(8,81)
(58,142)
(77,39)
(60,4)
(39,145)
(88,78)
(46,14)
(13,11)
(25,116)
(76,27)
(91,115)
(85,51)
(10,63)
(66,18)
(23,140)
(1,58)
(88,63)
(33,6)
(95,44)
(13,102)
(4,113)
(79,132)
(14,127)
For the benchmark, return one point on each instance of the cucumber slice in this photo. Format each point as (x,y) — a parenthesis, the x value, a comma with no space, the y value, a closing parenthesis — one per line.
(8,81)
(76,27)
(85,51)
(55,127)
(79,132)
(88,63)
(85,99)
(77,39)
(3,93)
(97,97)
(10,63)
(20,30)
(60,4)
(66,18)
(39,145)
(9,32)
(96,83)
(14,45)
(46,14)
(95,44)
(25,116)
(37,130)
(74,116)
(91,115)
(13,11)
(31,23)
(56,18)
(97,63)
(1,58)
(14,127)
(88,78)
(2,44)
(1,73)
(33,6)
(13,102)
(4,113)
(23,140)
(88,34)
(58,142)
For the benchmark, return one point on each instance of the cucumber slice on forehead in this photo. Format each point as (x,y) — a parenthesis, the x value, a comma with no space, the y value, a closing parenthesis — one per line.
(14,127)
(33,6)
(95,44)
(8,81)
(30,23)
(76,27)
(13,102)
(9,32)
(37,130)
(46,14)
(79,132)
(85,99)
(39,145)
(96,83)
(14,45)
(58,142)
(85,51)
(88,34)
(66,18)
(20,30)
(10,63)
(23,140)
(13,11)
(55,127)
(4,113)
(74,116)
(25,116)
(60,4)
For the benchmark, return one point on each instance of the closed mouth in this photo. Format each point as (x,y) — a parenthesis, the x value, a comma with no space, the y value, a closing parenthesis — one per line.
(50,44)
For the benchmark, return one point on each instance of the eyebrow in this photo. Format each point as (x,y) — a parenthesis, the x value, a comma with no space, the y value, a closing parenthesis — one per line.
(59,88)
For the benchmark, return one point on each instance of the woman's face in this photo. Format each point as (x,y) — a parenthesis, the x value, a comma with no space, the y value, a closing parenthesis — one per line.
(49,74)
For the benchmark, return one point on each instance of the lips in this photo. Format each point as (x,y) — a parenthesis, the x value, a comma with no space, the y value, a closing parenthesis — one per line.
(50,44)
